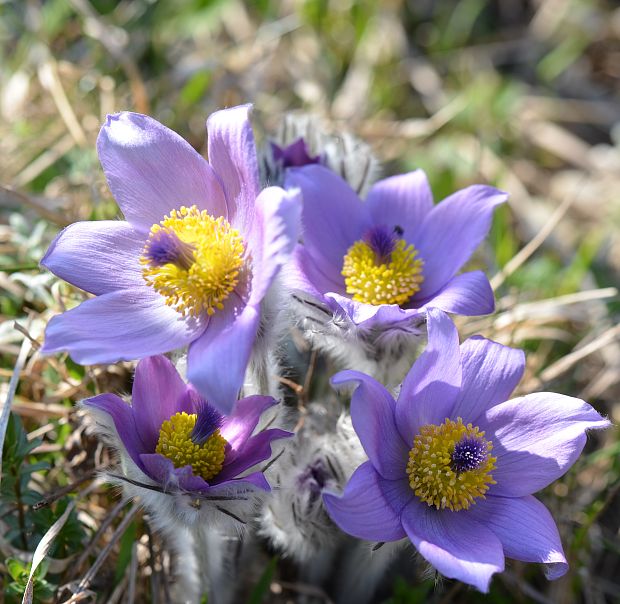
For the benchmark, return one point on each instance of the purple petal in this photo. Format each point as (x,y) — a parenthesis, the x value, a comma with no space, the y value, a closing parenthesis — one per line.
(97,256)
(372,414)
(151,170)
(536,439)
(402,200)
(240,486)
(124,422)
(302,274)
(525,528)
(254,450)
(157,390)
(490,373)
(452,231)
(458,546)
(468,294)
(232,153)
(217,360)
(119,326)
(363,509)
(162,470)
(273,236)
(293,155)
(244,418)
(333,217)
(432,385)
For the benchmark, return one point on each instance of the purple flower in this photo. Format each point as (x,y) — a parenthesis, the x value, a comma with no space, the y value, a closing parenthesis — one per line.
(293,155)
(180,441)
(453,467)
(198,250)
(386,260)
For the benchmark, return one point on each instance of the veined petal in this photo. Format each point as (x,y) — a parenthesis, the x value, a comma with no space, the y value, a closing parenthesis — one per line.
(372,414)
(459,547)
(97,256)
(244,418)
(363,510)
(119,326)
(151,170)
(432,385)
(536,438)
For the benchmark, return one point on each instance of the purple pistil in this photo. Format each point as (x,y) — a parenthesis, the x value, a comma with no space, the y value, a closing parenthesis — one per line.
(469,454)
(313,478)
(165,247)
(383,241)
(208,421)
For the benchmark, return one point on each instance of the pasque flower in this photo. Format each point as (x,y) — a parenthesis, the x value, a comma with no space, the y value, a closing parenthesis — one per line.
(386,260)
(191,263)
(182,443)
(453,463)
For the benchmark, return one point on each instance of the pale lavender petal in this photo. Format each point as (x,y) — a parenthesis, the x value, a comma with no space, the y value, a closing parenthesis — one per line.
(119,326)
(490,373)
(403,201)
(242,421)
(468,294)
(302,274)
(459,547)
(232,153)
(525,528)
(254,450)
(536,439)
(372,414)
(333,217)
(432,385)
(123,418)
(157,391)
(151,170)
(452,231)
(363,510)
(217,360)
(97,256)
(239,486)
(273,236)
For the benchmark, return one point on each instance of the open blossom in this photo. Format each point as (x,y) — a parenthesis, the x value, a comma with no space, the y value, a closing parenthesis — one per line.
(453,465)
(180,442)
(386,260)
(191,263)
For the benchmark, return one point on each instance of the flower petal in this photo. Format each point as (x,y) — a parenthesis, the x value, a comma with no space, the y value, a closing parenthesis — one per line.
(333,217)
(455,544)
(526,529)
(157,391)
(402,200)
(162,470)
(273,237)
(452,231)
(244,418)
(468,294)
(217,360)
(490,373)
(151,170)
(119,326)
(124,422)
(302,274)
(536,438)
(97,256)
(232,153)
(254,450)
(372,414)
(363,509)
(432,385)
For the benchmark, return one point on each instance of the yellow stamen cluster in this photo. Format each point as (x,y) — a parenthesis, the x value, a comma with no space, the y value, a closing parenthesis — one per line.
(373,281)
(176,444)
(218,258)
(430,471)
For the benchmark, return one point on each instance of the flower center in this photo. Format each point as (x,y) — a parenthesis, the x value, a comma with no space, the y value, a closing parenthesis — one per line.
(382,268)
(193,260)
(185,442)
(450,465)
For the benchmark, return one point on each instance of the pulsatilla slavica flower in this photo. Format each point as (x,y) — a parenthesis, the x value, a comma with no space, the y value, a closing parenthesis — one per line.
(191,263)
(384,261)
(182,443)
(453,465)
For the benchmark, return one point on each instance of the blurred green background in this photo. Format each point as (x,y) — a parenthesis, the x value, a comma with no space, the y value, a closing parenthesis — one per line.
(521,94)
